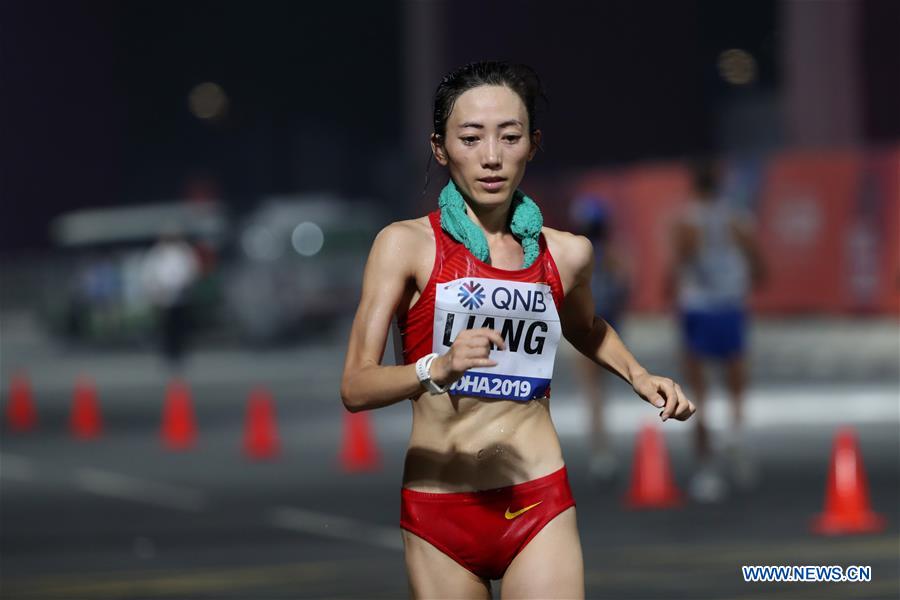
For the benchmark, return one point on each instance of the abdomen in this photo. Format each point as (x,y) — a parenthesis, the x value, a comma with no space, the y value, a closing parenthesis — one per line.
(463,444)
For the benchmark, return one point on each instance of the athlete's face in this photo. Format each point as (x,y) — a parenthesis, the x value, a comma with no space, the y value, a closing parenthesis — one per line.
(487,144)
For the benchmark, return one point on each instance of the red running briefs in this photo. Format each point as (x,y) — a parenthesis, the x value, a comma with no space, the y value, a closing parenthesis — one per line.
(484,530)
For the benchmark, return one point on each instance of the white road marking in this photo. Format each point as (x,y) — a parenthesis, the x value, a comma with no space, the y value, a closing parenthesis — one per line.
(814,406)
(334,526)
(16,467)
(124,487)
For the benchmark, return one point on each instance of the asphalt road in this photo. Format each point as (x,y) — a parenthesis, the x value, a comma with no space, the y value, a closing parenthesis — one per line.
(124,517)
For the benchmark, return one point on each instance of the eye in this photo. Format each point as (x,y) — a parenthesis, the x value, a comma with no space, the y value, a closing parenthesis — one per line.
(512,139)
(468,140)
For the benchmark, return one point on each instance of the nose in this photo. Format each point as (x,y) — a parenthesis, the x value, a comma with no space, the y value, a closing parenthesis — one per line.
(491,158)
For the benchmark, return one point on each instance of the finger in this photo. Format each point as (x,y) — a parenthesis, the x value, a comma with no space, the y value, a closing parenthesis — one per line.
(481,362)
(650,393)
(475,341)
(671,399)
(689,410)
(479,341)
(473,358)
(656,400)
(682,411)
(479,351)
(492,335)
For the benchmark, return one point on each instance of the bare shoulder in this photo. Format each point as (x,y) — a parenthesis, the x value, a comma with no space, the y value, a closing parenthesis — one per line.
(409,231)
(574,253)
(404,237)
(401,244)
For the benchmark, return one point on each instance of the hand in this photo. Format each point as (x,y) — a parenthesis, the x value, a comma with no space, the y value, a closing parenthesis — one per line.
(664,393)
(471,348)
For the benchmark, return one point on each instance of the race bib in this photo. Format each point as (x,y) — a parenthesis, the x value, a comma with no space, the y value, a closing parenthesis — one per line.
(525,316)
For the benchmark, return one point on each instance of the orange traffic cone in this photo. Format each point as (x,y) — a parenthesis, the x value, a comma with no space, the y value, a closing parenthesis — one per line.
(359,452)
(260,432)
(179,431)
(20,412)
(847,507)
(84,421)
(652,484)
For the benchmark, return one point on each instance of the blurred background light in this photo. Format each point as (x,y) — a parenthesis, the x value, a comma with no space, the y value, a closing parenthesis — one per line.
(307,239)
(737,67)
(260,243)
(208,101)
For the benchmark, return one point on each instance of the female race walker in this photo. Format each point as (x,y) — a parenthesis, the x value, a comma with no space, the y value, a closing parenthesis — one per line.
(482,293)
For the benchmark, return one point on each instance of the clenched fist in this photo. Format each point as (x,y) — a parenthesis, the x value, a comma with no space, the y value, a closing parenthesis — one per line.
(471,348)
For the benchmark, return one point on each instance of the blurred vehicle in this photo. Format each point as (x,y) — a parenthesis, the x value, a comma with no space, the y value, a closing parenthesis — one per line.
(290,268)
(299,265)
(94,291)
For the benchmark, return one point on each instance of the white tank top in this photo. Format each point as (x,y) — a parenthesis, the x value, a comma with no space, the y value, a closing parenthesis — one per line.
(718,276)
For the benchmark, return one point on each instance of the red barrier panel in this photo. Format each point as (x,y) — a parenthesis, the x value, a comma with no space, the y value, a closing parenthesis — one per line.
(644,202)
(828,223)
(805,209)
(884,166)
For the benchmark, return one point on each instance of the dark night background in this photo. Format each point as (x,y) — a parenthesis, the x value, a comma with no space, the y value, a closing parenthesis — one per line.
(94,108)
(280,492)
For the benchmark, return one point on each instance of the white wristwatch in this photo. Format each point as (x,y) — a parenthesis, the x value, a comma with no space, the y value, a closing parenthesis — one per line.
(423,372)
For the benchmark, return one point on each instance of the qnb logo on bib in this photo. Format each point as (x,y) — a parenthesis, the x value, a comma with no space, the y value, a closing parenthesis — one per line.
(471,295)
(525,316)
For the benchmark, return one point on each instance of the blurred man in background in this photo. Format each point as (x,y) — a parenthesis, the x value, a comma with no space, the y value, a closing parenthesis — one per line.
(593,219)
(169,269)
(717,262)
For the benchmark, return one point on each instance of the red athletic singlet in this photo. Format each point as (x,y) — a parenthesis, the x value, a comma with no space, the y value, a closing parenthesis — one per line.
(464,292)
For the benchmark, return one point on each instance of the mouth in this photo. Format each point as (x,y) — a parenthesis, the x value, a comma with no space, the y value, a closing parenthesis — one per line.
(492,184)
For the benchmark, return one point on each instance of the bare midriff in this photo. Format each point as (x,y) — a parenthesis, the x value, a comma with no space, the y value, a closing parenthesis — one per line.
(461,444)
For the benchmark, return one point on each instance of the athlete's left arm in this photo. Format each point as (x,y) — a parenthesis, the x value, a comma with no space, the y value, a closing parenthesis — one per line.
(596,339)
(744,235)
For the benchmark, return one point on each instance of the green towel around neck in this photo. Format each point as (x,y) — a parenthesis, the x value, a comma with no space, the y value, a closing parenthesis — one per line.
(525,224)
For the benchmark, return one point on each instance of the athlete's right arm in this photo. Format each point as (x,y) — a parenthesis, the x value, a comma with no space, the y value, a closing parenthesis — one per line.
(389,270)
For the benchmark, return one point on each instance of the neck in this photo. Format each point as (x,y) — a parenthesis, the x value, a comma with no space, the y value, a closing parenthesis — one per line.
(493,220)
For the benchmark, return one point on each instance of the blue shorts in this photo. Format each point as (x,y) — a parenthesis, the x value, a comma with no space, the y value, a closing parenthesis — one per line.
(715,333)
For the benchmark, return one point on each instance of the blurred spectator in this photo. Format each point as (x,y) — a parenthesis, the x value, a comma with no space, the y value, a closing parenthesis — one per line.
(103,289)
(609,286)
(93,297)
(168,270)
(716,264)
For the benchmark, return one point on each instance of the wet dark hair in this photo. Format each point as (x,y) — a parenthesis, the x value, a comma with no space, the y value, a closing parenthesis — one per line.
(521,79)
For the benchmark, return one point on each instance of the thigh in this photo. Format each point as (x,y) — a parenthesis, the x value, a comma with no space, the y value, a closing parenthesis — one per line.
(589,373)
(694,374)
(551,565)
(433,574)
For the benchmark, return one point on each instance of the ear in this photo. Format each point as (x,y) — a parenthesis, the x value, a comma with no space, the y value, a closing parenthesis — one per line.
(437,148)
(535,143)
